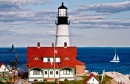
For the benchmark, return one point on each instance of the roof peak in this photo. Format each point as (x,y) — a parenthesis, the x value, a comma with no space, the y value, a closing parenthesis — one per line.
(62,3)
(62,6)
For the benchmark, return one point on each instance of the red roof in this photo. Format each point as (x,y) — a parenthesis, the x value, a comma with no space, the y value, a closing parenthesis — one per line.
(70,53)
(1,64)
(89,77)
(79,63)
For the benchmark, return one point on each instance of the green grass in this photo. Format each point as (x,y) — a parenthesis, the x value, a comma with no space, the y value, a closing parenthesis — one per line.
(62,82)
(107,80)
(5,83)
(43,83)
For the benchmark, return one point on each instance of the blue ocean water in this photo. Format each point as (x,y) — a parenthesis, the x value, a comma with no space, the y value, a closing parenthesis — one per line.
(7,55)
(95,58)
(98,59)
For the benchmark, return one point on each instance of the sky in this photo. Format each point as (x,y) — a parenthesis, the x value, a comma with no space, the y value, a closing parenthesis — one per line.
(93,23)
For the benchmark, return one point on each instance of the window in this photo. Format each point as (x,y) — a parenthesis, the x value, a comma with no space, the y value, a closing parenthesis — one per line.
(45,59)
(67,58)
(62,12)
(54,59)
(36,72)
(36,58)
(51,72)
(93,79)
(45,72)
(51,59)
(48,59)
(66,71)
(56,72)
(57,59)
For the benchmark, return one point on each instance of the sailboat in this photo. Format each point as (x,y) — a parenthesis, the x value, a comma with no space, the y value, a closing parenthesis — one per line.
(116,58)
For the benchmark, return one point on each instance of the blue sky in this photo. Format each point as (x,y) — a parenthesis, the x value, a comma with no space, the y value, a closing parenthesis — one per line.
(93,22)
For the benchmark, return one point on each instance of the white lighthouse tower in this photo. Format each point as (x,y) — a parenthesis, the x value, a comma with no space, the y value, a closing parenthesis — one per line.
(62,31)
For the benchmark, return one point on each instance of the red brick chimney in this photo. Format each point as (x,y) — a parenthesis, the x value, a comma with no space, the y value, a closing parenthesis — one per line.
(65,44)
(38,44)
(52,44)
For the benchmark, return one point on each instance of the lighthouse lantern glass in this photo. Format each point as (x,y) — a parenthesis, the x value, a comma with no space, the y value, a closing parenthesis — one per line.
(62,12)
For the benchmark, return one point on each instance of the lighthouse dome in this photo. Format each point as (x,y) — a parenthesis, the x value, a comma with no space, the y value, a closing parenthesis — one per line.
(62,6)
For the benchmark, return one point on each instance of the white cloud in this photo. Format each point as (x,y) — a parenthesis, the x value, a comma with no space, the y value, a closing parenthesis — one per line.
(35,2)
(10,37)
(33,26)
(112,24)
(107,8)
(51,32)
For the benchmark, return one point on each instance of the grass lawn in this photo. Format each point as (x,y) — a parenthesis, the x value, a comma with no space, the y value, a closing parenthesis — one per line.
(107,80)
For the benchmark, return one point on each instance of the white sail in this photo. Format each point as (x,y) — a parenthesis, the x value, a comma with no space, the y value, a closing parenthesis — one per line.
(116,58)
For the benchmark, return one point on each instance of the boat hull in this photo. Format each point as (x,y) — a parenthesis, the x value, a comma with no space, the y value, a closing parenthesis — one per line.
(115,61)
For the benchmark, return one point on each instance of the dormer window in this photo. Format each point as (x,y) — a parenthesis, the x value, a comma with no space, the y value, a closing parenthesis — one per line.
(48,59)
(36,58)
(57,59)
(51,59)
(67,58)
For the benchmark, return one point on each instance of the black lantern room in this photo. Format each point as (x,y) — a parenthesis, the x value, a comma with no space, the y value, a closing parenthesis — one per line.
(62,15)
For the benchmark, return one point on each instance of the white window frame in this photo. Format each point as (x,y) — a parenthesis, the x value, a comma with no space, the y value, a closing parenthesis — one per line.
(57,59)
(51,72)
(57,73)
(46,72)
(45,59)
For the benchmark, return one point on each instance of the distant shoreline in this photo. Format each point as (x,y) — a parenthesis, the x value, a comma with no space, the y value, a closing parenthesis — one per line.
(80,46)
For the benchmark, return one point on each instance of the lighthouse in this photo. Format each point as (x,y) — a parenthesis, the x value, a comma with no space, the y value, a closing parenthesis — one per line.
(62,30)
(46,65)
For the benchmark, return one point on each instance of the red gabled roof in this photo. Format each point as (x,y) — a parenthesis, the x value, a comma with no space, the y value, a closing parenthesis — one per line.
(1,64)
(69,52)
(89,77)
(79,63)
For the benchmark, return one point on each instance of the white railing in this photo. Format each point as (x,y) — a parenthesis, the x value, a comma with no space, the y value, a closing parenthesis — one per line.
(66,75)
(51,76)
(45,76)
(36,76)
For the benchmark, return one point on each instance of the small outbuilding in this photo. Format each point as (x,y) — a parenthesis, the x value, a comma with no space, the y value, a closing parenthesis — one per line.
(91,79)
(4,72)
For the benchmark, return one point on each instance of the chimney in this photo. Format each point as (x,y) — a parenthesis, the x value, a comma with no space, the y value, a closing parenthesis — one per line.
(38,45)
(52,44)
(65,44)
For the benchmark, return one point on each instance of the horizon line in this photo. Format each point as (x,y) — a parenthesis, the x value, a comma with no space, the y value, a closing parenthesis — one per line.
(50,46)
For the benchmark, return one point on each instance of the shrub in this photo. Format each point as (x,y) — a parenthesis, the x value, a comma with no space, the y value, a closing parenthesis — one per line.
(35,80)
(66,80)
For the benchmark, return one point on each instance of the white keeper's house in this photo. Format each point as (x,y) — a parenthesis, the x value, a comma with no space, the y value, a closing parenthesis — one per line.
(91,79)
(4,72)
(57,61)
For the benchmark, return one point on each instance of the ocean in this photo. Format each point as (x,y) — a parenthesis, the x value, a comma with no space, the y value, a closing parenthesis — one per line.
(96,59)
